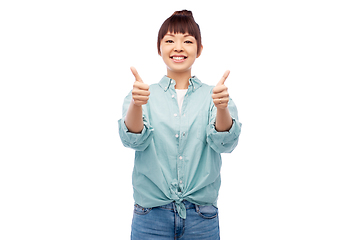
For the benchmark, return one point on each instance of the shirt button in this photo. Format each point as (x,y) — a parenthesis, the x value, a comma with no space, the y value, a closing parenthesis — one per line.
(172,81)
(177,135)
(175,115)
(180,182)
(180,157)
(172,96)
(183,134)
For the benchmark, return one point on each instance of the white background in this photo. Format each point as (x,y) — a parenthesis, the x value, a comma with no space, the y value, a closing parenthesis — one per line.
(64,67)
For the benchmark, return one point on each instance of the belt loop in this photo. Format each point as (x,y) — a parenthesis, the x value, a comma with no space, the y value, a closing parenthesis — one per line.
(174,207)
(196,207)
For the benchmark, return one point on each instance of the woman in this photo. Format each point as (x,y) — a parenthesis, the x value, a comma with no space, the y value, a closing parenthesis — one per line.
(178,127)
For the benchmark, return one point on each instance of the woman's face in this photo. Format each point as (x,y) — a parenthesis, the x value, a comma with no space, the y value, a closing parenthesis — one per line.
(179,51)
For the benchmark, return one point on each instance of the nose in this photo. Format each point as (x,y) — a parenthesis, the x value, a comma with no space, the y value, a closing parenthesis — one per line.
(178,47)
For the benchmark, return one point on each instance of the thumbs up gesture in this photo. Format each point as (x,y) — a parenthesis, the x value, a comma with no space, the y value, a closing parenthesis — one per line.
(140,92)
(220,94)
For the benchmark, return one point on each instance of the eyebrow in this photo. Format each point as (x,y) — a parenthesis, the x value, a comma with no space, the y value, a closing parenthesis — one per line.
(172,35)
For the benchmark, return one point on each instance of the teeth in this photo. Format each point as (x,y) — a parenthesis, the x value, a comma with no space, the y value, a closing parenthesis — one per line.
(178,58)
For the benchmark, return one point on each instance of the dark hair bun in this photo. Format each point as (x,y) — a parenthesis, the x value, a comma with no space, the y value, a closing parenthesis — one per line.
(183,13)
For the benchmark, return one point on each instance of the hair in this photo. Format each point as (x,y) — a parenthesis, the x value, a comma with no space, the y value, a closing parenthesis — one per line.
(180,22)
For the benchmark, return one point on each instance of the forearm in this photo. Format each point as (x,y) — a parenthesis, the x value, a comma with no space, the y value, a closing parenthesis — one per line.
(133,120)
(223,120)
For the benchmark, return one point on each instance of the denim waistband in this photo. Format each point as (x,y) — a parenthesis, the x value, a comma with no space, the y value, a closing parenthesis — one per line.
(171,206)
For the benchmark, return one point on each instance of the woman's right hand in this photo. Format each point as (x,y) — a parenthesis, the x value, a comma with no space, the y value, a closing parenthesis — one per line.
(140,92)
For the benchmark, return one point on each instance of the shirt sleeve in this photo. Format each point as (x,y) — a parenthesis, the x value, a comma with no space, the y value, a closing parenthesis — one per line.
(223,142)
(136,141)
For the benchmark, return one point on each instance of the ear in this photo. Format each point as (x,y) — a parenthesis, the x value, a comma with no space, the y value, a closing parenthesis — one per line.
(201,48)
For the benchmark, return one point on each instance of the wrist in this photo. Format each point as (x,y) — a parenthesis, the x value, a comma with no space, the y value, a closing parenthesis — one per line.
(222,109)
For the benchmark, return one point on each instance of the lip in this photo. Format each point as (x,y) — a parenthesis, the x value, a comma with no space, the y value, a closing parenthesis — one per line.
(178,58)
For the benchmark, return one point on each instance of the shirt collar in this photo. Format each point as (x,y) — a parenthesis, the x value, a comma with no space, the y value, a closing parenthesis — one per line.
(166,82)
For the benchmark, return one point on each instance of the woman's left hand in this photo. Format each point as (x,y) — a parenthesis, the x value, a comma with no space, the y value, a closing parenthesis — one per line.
(220,93)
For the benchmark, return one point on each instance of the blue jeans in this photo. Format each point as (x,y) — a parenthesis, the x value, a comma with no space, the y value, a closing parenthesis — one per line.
(164,223)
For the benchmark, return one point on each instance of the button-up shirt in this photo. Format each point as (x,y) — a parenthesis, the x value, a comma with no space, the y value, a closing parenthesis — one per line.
(178,154)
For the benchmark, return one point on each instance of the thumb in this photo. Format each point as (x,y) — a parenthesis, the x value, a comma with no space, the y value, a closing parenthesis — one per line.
(136,74)
(224,77)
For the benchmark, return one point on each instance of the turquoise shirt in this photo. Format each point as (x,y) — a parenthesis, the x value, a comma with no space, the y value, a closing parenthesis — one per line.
(178,155)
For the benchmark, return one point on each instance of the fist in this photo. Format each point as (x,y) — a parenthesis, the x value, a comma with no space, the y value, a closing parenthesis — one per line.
(220,93)
(140,92)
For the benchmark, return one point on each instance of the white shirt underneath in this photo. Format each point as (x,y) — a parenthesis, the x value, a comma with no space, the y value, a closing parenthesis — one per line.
(180,97)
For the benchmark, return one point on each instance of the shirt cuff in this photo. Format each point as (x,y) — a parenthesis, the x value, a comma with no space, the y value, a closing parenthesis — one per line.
(136,141)
(223,142)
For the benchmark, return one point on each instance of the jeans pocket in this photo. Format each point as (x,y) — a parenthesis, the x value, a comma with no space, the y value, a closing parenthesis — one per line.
(207,212)
(140,210)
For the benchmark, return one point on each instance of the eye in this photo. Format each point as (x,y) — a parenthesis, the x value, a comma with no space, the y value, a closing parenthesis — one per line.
(188,41)
(169,41)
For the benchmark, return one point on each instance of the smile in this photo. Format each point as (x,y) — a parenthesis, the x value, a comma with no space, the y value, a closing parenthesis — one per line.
(177,58)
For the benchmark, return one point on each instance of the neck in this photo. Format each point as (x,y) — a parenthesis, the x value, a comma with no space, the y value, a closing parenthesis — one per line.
(182,78)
